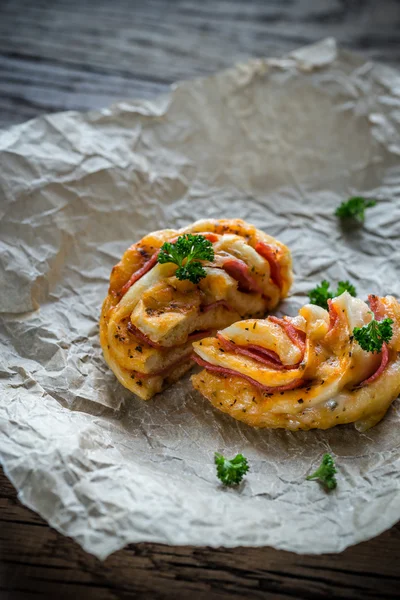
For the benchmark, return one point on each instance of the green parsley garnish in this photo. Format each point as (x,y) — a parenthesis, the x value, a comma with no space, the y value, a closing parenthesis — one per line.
(354,208)
(345,286)
(321,293)
(371,336)
(231,472)
(186,252)
(325,473)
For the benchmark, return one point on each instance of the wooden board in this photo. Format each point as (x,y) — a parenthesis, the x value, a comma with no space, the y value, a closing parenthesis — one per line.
(38,562)
(69,54)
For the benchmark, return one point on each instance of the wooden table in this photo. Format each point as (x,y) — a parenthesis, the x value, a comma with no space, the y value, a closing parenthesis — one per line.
(70,54)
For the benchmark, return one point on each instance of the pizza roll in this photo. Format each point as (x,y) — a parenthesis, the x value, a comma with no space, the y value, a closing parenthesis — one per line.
(150,317)
(304,372)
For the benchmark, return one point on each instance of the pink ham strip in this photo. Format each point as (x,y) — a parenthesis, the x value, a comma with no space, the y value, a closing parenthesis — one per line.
(208,307)
(211,237)
(138,274)
(296,336)
(262,355)
(239,271)
(376,306)
(143,337)
(224,371)
(267,252)
(196,335)
(161,372)
(379,312)
(380,369)
(333,315)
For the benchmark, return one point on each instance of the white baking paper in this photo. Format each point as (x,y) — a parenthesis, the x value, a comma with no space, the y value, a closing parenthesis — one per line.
(279,142)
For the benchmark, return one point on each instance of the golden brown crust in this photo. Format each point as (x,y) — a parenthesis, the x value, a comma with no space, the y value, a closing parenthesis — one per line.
(139,253)
(252,235)
(136,256)
(119,343)
(248,404)
(341,382)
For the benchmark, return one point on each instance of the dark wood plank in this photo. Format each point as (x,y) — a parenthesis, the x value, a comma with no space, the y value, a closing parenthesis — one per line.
(36,561)
(68,54)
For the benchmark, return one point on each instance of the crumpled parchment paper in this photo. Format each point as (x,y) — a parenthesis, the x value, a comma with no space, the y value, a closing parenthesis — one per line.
(279,142)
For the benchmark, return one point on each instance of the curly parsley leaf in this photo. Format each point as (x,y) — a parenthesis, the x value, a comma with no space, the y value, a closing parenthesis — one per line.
(186,253)
(325,473)
(372,336)
(346,286)
(321,293)
(354,208)
(231,472)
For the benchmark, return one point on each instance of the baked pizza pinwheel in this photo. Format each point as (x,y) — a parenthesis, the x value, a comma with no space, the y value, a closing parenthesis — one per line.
(174,287)
(316,370)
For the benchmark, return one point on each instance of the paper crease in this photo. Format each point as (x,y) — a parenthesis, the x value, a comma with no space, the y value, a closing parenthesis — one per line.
(279,142)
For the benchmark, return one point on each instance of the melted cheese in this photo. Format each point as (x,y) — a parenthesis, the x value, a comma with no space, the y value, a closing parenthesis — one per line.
(210,351)
(165,311)
(266,334)
(334,366)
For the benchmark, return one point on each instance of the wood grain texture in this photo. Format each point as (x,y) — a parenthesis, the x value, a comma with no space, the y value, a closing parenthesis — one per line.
(36,561)
(69,54)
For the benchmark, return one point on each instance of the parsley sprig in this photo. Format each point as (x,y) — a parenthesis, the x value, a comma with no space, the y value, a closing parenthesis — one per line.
(321,293)
(372,336)
(354,208)
(231,472)
(325,473)
(186,252)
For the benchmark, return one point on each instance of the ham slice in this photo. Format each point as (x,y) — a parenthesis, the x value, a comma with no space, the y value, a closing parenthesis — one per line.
(258,353)
(267,252)
(239,271)
(211,237)
(377,307)
(295,335)
(139,273)
(196,335)
(143,337)
(208,307)
(166,370)
(230,372)
(333,315)
(379,312)
(380,369)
